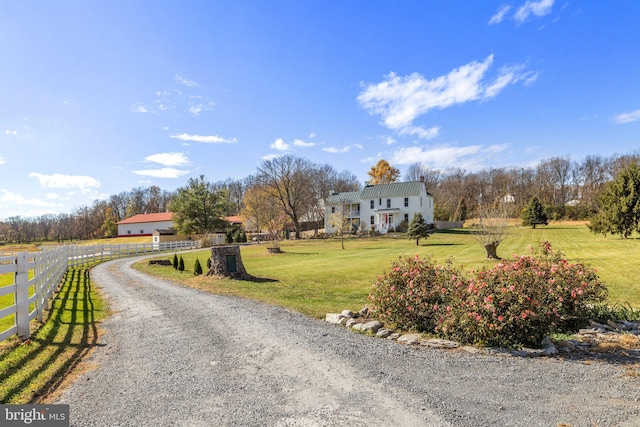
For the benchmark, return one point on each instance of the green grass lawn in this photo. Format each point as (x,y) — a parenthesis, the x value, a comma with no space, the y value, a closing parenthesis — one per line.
(316,276)
(29,370)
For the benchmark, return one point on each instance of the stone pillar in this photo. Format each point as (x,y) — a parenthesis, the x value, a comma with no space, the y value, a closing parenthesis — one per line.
(227,262)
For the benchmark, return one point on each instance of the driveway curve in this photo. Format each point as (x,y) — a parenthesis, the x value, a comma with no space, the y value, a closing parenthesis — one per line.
(175,356)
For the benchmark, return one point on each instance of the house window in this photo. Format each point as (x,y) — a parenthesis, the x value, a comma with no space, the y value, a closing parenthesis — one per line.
(141,231)
(128,231)
(372,220)
(333,209)
(406,202)
(379,202)
(372,204)
(406,217)
(358,207)
(388,203)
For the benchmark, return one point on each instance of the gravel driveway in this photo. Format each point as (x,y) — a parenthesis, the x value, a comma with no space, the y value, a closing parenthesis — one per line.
(174,356)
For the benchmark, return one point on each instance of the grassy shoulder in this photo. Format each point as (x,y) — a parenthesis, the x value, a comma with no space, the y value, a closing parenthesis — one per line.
(31,369)
(315,277)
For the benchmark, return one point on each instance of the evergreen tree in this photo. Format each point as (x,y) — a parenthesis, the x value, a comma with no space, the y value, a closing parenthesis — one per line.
(534,214)
(418,228)
(175,261)
(620,204)
(209,263)
(197,268)
(198,208)
(181,265)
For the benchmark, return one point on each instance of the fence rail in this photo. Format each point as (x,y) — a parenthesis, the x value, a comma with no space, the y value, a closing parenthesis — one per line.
(37,275)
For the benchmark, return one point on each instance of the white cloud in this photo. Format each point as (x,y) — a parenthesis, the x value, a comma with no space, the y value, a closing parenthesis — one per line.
(630,117)
(65,181)
(389,140)
(168,159)
(421,132)
(185,82)
(195,109)
(400,100)
(211,139)
(335,150)
(161,173)
(11,132)
(139,108)
(19,200)
(358,146)
(2,161)
(312,135)
(279,145)
(500,14)
(531,7)
(270,156)
(441,157)
(301,143)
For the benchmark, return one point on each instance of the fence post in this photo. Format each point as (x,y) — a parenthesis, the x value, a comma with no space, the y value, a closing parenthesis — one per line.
(22,296)
(40,262)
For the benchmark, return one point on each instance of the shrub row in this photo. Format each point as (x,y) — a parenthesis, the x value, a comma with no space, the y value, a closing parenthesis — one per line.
(518,301)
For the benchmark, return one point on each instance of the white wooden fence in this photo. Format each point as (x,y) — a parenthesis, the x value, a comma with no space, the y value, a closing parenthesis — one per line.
(47,269)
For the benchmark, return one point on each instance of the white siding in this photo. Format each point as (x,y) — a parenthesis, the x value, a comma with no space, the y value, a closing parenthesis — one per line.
(142,228)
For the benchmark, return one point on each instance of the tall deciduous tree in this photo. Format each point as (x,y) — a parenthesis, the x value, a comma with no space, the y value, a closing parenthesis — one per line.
(418,228)
(288,180)
(383,173)
(534,214)
(620,204)
(197,208)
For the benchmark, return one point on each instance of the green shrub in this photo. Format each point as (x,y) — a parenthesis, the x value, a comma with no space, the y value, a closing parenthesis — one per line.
(209,263)
(518,301)
(175,261)
(181,264)
(197,268)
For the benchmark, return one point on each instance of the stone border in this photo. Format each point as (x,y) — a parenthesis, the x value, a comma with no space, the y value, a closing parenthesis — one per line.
(586,343)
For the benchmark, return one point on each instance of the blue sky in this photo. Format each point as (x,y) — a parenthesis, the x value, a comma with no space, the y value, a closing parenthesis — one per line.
(97,98)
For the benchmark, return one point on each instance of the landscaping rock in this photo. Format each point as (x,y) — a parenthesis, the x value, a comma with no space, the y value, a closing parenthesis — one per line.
(470,349)
(439,343)
(347,313)
(549,347)
(384,333)
(373,326)
(333,318)
(410,339)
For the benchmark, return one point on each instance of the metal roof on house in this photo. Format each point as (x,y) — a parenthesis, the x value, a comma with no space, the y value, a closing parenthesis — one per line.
(380,191)
(344,198)
(152,217)
(395,189)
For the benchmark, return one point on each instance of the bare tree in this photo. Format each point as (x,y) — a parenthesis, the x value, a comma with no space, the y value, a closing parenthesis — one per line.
(288,180)
(492,228)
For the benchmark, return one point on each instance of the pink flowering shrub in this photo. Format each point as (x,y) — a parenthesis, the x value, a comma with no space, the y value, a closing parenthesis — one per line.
(413,293)
(518,301)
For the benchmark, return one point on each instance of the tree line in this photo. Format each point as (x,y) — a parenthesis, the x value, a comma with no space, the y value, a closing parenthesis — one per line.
(290,191)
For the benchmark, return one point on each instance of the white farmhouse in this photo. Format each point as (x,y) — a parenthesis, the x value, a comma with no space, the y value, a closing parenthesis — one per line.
(145,224)
(379,207)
